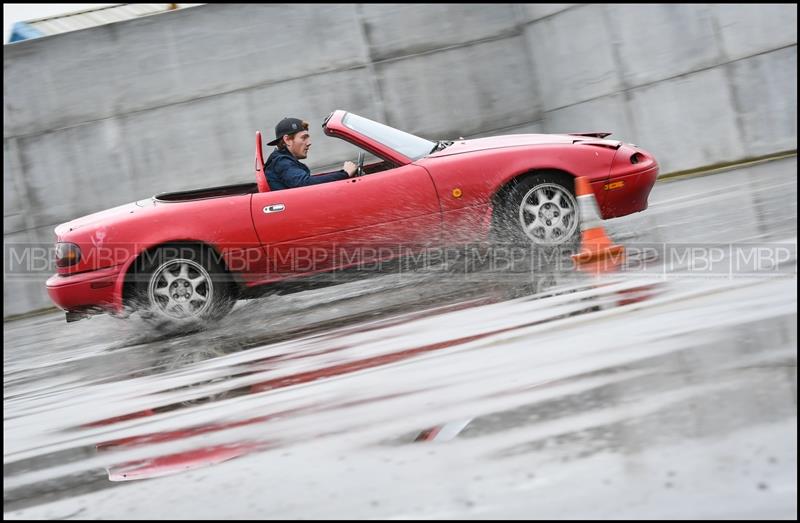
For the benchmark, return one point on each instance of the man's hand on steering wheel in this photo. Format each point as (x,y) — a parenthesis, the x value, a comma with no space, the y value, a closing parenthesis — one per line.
(360,162)
(355,169)
(350,168)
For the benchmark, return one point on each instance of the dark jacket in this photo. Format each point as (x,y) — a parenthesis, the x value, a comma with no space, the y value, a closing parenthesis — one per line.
(284,171)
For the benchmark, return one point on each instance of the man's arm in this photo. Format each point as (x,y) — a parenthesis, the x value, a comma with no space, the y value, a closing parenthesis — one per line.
(294,176)
(348,169)
(334,175)
(328,177)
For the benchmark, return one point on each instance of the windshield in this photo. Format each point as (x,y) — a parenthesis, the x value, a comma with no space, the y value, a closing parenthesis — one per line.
(407,144)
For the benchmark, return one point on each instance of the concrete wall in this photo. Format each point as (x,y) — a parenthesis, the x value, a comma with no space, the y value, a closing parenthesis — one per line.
(112,114)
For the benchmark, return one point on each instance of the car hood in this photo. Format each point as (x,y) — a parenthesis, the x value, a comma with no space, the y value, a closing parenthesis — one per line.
(512,140)
(105,216)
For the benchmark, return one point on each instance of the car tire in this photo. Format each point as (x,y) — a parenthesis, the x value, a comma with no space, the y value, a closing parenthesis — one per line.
(540,211)
(183,285)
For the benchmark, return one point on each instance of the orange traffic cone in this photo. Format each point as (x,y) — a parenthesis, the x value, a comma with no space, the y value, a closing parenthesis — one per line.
(596,247)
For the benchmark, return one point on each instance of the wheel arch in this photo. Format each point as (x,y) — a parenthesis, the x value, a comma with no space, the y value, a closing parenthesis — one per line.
(499,198)
(138,264)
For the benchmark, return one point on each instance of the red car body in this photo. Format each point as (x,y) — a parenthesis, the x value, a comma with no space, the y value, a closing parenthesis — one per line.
(445,197)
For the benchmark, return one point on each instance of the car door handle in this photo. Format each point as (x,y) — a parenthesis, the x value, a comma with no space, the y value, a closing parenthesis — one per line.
(275,207)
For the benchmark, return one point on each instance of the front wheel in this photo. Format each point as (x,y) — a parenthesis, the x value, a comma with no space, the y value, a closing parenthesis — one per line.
(184,284)
(539,209)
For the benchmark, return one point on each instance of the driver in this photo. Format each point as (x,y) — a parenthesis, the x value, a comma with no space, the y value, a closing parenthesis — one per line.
(283,167)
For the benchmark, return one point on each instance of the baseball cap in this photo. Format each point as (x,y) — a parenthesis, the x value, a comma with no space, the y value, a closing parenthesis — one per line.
(286,126)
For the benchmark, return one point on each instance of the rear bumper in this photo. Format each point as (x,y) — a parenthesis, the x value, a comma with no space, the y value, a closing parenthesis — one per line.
(628,194)
(95,291)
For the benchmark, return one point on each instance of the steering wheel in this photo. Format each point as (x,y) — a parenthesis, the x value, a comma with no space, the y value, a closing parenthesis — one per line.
(360,164)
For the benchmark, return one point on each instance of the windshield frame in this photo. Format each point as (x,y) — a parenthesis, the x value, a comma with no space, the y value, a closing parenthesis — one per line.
(409,145)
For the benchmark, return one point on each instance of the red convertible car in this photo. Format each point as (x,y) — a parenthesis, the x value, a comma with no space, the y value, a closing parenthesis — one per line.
(190,255)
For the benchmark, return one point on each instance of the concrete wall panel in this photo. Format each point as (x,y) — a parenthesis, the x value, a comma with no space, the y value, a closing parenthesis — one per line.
(533,12)
(160,60)
(401,29)
(67,173)
(765,97)
(32,89)
(747,29)
(429,95)
(658,41)
(266,43)
(573,56)
(13,197)
(26,267)
(687,122)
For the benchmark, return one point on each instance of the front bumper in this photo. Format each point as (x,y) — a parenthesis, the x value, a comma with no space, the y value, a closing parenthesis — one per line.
(628,194)
(95,291)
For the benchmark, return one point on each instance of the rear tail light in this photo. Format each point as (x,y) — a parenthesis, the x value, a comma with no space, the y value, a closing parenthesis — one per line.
(67,254)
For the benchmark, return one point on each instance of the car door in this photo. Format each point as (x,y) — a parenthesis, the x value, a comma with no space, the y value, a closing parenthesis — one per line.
(343,223)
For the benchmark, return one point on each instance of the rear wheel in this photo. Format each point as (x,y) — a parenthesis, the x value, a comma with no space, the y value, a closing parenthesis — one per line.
(183,285)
